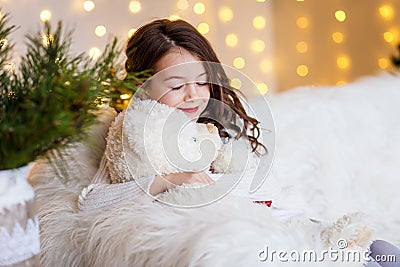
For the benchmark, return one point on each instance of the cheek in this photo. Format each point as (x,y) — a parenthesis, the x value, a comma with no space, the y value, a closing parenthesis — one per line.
(171,99)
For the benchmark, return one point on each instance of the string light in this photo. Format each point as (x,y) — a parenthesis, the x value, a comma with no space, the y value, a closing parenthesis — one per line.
(47,39)
(302,22)
(174,17)
(302,70)
(135,7)
(100,31)
(236,83)
(263,88)
(340,15)
(182,4)
(231,40)
(258,46)
(203,28)
(388,36)
(239,62)
(383,63)
(131,32)
(337,37)
(45,15)
(88,6)
(265,65)
(225,14)
(343,62)
(386,11)
(259,22)
(302,47)
(199,8)
(94,53)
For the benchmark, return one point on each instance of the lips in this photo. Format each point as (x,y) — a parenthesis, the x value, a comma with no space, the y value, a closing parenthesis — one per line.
(189,110)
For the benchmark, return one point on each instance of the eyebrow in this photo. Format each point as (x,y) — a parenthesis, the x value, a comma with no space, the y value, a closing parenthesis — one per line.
(180,77)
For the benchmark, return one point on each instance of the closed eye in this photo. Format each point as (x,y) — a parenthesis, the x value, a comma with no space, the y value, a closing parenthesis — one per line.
(201,83)
(177,87)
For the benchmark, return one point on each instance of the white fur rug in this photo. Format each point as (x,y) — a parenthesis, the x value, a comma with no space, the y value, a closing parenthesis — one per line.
(336,153)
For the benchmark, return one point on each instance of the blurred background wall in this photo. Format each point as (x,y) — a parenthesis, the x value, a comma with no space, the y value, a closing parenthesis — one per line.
(278,44)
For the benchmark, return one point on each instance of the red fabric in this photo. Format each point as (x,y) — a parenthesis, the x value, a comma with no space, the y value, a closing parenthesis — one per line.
(268,203)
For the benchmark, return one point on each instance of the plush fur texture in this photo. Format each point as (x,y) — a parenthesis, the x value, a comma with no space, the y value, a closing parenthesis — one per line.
(336,154)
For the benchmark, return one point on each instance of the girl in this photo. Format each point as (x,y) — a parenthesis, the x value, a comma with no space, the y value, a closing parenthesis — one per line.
(158,46)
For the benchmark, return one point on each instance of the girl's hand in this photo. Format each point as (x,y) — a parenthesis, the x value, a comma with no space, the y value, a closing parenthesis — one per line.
(165,182)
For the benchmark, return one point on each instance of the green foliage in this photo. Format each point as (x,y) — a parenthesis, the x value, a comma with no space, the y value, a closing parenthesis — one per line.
(52,97)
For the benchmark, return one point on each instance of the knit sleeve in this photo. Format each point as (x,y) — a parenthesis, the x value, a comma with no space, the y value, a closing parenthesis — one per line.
(101,194)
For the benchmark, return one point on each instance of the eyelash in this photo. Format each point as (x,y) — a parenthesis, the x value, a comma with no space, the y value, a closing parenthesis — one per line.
(180,86)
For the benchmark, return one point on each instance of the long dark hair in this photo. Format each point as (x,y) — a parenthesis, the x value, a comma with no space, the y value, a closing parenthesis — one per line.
(153,40)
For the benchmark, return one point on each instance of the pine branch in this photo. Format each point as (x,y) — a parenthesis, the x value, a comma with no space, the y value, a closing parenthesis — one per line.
(52,97)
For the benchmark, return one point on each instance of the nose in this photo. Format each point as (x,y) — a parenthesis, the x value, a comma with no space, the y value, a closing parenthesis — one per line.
(190,91)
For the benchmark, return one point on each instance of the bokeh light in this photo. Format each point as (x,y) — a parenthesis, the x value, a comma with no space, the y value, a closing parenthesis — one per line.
(225,14)
(302,22)
(88,6)
(386,11)
(340,15)
(388,36)
(239,63)
(131,32)
(231,40)
(258,46)
(203,28)
(337,37)
(383,63)
(100,30)
(343,62)
(182,4)
(94,53)
(302,47)
(263,88)
(135,6)
(266,65)
(259,22)
(199,8)
(302,70)
(45,15)
(236,83)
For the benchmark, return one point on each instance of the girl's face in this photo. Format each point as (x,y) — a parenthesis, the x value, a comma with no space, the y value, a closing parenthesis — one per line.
(181,82)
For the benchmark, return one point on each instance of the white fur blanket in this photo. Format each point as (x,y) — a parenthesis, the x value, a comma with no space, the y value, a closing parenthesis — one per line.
(336,153)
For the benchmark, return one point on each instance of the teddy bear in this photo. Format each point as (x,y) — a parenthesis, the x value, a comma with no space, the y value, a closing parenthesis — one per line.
(150,138)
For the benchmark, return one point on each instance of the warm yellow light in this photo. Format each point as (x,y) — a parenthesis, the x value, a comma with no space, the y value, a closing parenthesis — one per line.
(88,6)
(300,0)
(260,1)
(131,32)
(383,63)
(100,30)
(341,83)
(45,15)
(302,70)
(135,6)
(182,4)
(386,11)
(231,40)
(258,46)
(302,47)
(125,96)
(302,22)
(259,22)
(340,15)
(47,39)
(263,88)
(337,37)
(199,8)
(225,14)
(388,36)
(236,83)
(203,28)
(239,63)
(343,62)
(3,43)
(94,53)
(174,17)
(265,65)
(9,67)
